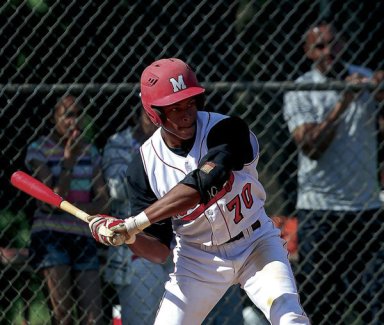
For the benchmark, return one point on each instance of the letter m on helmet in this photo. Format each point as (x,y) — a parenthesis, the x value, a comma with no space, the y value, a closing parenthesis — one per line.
(178,84)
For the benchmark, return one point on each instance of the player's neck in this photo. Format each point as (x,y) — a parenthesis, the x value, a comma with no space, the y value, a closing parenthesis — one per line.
(175,143)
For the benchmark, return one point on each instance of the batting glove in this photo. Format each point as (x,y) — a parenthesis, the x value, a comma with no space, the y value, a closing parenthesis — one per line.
(109,231)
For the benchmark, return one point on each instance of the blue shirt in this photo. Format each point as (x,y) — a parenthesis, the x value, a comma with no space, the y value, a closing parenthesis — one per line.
(118,153)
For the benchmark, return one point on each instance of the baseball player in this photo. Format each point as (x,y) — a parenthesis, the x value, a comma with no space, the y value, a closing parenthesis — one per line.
(199,169)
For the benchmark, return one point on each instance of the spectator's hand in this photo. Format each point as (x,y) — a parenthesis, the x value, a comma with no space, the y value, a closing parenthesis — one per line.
(9,255)
(109,231)
(353,79)
(356,79)
(72,147)
(378,77)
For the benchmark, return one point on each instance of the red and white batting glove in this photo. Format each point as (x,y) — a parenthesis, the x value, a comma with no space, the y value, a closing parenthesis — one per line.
(109,230)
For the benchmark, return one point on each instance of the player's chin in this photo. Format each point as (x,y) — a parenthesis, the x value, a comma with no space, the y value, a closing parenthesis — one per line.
(186,133)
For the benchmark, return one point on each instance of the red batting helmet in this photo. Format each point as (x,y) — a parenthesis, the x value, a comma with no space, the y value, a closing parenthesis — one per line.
(166,82)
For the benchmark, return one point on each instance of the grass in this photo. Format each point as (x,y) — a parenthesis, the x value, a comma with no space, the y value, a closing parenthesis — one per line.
(38,315)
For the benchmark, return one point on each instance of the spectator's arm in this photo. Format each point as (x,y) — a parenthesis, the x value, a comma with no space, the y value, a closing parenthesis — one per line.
(378,78)
(115,161)
(315,138)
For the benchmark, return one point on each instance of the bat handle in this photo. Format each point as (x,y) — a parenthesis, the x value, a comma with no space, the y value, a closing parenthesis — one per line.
(70,208)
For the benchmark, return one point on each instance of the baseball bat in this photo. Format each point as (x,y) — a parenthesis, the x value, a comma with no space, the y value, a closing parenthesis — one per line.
(42,192)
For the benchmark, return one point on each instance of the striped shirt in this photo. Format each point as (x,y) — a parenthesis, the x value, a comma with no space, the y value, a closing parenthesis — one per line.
(45,150)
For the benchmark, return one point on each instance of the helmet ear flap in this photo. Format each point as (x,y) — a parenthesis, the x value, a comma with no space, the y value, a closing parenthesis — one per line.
(154,115)
(160,113)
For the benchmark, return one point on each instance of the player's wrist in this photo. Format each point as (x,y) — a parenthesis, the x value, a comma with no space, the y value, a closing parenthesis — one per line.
(137,224)
(142,221)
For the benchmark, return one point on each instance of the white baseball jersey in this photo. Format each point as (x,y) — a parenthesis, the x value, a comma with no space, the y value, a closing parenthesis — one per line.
(234,208)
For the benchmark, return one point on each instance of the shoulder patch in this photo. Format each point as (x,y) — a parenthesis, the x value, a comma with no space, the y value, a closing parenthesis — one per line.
(207,167)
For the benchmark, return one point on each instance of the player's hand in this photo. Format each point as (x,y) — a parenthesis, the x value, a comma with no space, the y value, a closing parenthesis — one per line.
(109,230)
(133,225)
(127,228)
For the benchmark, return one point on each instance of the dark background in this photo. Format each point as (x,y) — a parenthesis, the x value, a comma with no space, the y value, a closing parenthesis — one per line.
(111,42)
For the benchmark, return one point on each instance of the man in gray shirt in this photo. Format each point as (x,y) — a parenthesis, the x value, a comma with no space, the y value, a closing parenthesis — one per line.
(338,190)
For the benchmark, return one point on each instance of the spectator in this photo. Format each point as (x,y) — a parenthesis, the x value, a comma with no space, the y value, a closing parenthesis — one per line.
(61,248)
(139,282)
(340,220)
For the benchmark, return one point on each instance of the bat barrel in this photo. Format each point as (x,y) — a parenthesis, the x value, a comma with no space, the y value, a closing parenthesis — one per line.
(42,192)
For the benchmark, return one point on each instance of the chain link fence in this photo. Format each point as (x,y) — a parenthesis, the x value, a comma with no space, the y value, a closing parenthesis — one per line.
(247,54)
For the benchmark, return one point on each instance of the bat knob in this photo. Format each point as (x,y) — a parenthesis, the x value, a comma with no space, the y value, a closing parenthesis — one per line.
(130,239)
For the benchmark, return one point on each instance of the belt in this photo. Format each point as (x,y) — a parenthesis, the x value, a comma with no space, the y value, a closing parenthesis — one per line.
(241,234)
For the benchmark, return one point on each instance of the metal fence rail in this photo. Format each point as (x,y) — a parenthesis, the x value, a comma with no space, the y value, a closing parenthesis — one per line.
(246,53)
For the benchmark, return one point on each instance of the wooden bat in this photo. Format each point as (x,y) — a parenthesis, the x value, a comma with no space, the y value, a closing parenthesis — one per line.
(42,192)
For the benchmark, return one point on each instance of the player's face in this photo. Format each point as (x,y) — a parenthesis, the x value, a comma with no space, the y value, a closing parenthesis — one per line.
(180,119)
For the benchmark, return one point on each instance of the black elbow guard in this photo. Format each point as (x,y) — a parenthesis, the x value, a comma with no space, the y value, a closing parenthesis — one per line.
(208,179)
